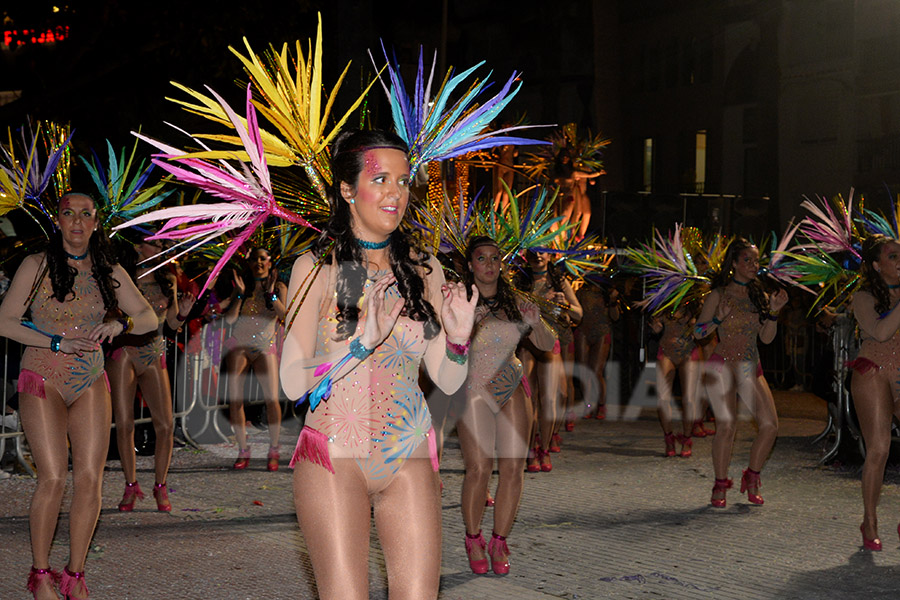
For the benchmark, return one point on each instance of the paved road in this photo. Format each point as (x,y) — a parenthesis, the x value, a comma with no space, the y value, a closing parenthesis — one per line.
(614,519)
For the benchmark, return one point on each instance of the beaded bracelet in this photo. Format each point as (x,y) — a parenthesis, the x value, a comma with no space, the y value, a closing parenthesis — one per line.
(358,350)
(55,341)
(179,318)
(273,297)
(772,316)
(458,353)
(716,321)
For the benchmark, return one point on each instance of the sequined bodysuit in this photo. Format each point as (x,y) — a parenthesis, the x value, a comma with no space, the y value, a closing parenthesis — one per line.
(883,356)
(69,374)
(737,334)
(595,326)
(494,369)
(377,413)
(149,349)
(254,331)
(677,342)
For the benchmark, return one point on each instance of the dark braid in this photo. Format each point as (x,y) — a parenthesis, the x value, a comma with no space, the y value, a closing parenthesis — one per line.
(347,158)
(755,290)
(62,275)
(872,281)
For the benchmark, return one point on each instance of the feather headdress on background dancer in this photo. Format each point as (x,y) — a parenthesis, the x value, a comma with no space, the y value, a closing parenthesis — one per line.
(32,165)
(584,152)
(437,127)
(679,268)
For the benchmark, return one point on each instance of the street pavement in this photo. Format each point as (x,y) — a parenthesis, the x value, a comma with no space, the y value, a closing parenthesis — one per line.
(613,519)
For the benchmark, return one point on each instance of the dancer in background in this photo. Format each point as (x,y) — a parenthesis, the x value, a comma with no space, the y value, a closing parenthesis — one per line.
(738,311)
(370,442)
(63,389)
(874,384)
(497,414)
(593,343)
(140,361)
(256,306)
(678,353)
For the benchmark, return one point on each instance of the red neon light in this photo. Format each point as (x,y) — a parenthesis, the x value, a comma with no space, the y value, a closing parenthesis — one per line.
(13,38)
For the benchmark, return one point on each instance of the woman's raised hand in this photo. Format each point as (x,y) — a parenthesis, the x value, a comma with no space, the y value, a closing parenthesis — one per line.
(458,313)
(531,314)
(379,321)
(238,282)
(778,300)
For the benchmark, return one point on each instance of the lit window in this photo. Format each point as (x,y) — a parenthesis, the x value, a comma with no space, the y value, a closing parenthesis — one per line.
(700,162)
(648,165)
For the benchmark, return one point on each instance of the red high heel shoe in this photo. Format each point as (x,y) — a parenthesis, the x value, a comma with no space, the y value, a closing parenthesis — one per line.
(161,493)
(555,442)
(670,443)
(601,412)
(546,465)
(480,566)
(69,581)
(686,445)
(489,501)
(499,553)
(721,486)
(750,480)
(570,421)
(243,459)
(871,544)
(272,459)
(38,577)
(132,493)
(534,461)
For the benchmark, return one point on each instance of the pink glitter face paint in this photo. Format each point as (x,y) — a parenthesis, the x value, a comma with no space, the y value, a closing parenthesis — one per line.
(372,167)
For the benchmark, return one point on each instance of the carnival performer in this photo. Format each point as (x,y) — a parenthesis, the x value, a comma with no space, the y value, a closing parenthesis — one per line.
(497,413)
(254,312)
(678,353)
(738,311)
(593,343)
(546,369)
(874,383)
(140,361)
(371,443)
(64,392)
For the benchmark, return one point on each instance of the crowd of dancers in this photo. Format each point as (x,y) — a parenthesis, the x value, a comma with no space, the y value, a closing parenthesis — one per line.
(387,314)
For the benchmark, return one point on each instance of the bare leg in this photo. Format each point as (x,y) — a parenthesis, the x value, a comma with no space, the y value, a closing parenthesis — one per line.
(477,429)
(723,399)
(767,423)
(689,371)
(548,375)
(583,206)
(599,354)
(874,409)
(88,426)
(513,424)
(665,377)
(158,396)
(333,510)
(44,423)
(123,384)
(237,364)
(266,369)
(408,519)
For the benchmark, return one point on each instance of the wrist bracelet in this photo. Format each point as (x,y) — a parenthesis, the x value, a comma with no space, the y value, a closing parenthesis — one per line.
(273,297)
(55,341)
(716,321)
(127,325)
(772,316)
(458,353)
(358,350)
(179,318)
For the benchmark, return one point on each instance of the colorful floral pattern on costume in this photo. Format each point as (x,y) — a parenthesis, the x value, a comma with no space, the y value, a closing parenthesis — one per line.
(69,374)
(377,414)
(494,369)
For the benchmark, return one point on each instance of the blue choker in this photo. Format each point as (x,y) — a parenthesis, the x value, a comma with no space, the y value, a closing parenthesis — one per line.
(81,257)
(893,287)
(741,283)
(373,245)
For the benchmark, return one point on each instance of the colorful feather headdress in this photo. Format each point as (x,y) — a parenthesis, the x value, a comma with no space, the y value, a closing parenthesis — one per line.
(246,187)
(438,128)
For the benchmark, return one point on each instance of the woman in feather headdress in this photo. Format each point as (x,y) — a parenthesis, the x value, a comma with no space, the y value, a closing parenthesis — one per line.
(64,393)
(874,383)
(739,311)
(382,308)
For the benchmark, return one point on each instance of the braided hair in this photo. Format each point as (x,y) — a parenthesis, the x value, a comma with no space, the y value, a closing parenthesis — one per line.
(872,281)
(62,274)
(347,162)
(506,300)
(754,288)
